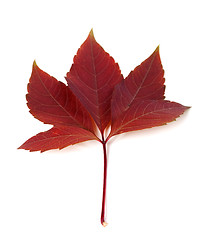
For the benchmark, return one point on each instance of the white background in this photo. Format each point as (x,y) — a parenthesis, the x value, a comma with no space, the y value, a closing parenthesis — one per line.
(154,176)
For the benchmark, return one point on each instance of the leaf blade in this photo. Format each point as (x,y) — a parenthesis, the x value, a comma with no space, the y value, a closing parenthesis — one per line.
(147,114)
(57,138)
(146,81)
(52,102)
(92,78)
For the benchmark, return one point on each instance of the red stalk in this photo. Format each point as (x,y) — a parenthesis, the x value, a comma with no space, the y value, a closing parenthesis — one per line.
(103,222)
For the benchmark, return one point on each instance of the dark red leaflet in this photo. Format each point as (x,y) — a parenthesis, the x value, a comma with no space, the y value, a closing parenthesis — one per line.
(57,137)
(92,78)
(52,102)
(146,81)
(146,114)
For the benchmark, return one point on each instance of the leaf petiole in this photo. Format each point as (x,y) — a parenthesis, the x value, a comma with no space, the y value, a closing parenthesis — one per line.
(103,222)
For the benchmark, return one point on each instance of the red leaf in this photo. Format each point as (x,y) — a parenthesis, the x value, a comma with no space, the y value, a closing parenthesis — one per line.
(92,78)
(146,114)
(97,94)
(52,102)
(145,82)
(57,137)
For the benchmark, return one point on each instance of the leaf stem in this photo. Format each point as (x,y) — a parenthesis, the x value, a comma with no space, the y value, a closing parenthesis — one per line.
(103,222)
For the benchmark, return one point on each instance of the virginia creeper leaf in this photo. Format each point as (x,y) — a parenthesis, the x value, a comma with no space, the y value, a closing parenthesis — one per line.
(52,102)
(92,78)
(97,96)
(146,81)
(57,137)
(146,114)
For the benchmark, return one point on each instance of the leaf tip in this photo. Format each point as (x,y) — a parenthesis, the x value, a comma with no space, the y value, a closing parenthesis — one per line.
(34,66)
(21,147)
(34,63)
(187,108)
(91,34)
(157,49)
